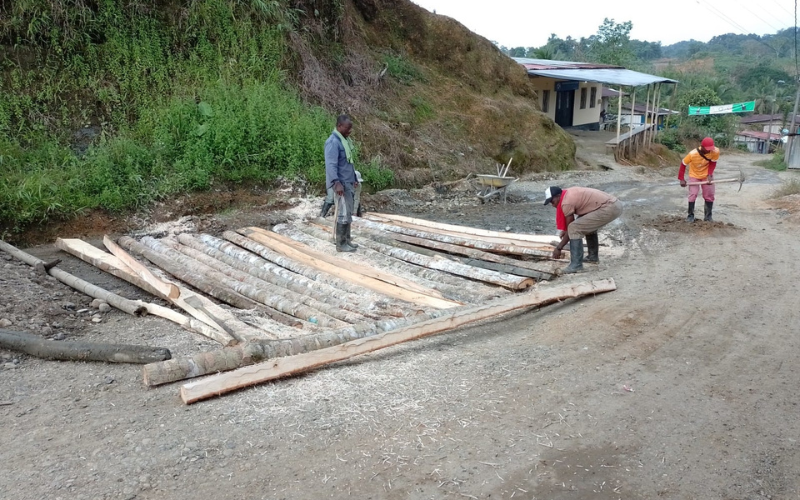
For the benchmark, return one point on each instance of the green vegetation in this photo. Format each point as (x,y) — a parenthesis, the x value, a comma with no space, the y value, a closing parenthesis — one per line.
(171,108)
(787,189)
(774,163)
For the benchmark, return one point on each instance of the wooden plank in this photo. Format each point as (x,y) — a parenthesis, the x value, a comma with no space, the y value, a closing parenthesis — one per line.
(360,268)
(165,289)
(422,223)
(366,281)
(216,385)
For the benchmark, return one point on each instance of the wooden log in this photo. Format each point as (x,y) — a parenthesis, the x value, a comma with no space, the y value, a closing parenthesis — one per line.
(238,294)
(165,289)
(359,268)
(452,287)
(227,359)
(281,299)
(222,383)
(426,224)
(115,266)
(324,292)
(448,266)
(545,269)
(80,351)
(310,272)
(132,307)
(465,241)
(544,247)
(365,281)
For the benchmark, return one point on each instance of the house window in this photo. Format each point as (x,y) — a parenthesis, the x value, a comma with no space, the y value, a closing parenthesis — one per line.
(583,98)
(545,101)
(593,100)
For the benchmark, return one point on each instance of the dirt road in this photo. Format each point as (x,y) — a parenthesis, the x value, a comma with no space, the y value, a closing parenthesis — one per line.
(702,330)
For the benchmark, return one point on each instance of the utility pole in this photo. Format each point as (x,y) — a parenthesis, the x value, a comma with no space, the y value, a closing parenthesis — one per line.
(792,131)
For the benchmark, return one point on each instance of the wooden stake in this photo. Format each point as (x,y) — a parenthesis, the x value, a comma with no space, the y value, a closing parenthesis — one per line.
(216,385)
(165,289)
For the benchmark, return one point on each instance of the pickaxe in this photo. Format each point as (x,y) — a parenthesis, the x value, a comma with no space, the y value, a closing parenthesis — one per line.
(739,179)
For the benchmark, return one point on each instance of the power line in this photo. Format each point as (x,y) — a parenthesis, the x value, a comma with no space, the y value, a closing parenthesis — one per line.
(724,17)
(796,72)
(762,19)
(781,7)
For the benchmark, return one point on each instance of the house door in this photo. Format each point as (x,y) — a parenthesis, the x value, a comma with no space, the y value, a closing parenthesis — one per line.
(565,102)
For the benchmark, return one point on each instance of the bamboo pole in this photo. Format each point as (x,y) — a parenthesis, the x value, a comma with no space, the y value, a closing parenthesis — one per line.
(619,116)
(464,230)
(456,240)
(222,383)
(132,307)
(281,299)
(630,123)
(80,351)
(365,281)
(646,116)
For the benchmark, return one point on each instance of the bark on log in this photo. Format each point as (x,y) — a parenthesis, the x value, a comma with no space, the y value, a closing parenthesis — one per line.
(546,269)
(426,224)
(132,307)
(279,298)
(222,383)
(80,351)
(545,247)
(241,330)
(366,281)
(254,352)
(361,269)
(307,295)
(452,287)
(165,289)
(465,241)
(115,266)
(456,268)
(238,294)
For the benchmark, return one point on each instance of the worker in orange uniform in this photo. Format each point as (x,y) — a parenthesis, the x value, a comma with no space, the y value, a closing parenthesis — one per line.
(701,162)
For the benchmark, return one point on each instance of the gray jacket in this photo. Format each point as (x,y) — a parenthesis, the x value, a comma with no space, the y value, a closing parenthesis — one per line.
(337,168)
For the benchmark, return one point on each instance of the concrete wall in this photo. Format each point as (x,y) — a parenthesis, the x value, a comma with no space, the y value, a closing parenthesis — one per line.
(579,116)
(542,85)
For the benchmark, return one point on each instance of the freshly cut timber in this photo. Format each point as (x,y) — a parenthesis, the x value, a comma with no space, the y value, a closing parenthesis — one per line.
(452,287)
(465,241)
(331,298)
(249,353)
(457,268)
(222,383)
(365,281)
(278,298)
(545,269)
(133,307)
(119,268)
(165,289)
(362,269)
(422,223)
(80,351)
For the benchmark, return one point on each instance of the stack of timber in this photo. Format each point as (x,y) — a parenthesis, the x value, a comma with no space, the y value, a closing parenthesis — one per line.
(285,294)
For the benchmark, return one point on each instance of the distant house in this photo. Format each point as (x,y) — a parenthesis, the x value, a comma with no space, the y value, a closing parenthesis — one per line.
(639,115)
(571,93)
(764,122)
(757,141)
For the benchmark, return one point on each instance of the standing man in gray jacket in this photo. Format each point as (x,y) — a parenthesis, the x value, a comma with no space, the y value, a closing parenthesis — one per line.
(341,176)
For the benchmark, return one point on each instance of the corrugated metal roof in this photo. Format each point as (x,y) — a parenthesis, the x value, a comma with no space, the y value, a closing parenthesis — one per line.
(639,108)
(759,135)
(777,118)
(588,72)
(607,92)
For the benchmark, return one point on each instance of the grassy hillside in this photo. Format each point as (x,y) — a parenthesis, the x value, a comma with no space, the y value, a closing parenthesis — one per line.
(110,104)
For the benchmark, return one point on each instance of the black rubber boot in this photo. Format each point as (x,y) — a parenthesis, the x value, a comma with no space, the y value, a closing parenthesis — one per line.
(709,207)
(360,211)
(341,239)
(593,245)
(575,257)
(690,218)
(348,239)
(325,208)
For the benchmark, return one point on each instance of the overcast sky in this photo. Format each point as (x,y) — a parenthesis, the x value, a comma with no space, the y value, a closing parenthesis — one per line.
(528,23)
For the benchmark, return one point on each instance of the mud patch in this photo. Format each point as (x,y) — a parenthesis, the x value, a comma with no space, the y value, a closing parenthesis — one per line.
(678,224)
